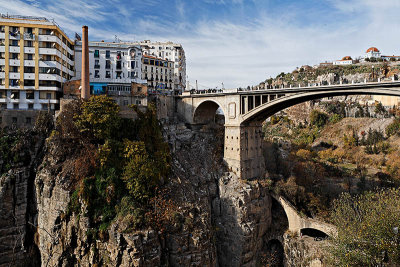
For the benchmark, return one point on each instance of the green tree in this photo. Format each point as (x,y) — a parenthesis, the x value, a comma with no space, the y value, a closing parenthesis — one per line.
(367,230)
(140,175)
(318,118)
(99,117)
(379,108)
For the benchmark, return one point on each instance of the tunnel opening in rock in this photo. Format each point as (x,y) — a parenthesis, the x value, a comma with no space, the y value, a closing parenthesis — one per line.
(311,232)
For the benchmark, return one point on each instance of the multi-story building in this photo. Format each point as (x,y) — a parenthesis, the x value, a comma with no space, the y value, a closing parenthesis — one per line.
(159,74)
(36,58)
(172,52)
(115,69)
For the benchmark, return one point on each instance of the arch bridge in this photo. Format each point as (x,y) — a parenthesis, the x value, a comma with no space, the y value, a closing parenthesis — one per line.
(246,110)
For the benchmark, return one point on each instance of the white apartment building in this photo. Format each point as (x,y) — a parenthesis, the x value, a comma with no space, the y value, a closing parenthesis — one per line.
(36,58)
(159,74)
(113,67)
(172,52)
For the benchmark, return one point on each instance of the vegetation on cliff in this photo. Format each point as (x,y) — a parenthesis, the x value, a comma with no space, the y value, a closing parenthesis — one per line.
(368,229)
(119,164)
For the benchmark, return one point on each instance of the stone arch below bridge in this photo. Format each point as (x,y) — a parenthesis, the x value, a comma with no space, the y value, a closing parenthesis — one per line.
(208,111)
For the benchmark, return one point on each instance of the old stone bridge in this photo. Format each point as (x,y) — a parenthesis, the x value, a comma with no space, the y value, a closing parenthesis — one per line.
(246,110)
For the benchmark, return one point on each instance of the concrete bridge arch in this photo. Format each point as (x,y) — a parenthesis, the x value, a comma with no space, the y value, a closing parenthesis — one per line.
(297,222)
(205,111)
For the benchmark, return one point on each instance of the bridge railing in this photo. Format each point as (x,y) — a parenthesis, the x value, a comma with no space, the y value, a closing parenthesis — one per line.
(291,86)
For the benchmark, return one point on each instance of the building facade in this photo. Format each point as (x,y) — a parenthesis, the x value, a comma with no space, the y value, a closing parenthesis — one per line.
(172,52)
(36,58)
(347,60)
(372,52)
(114,68)
(159,74)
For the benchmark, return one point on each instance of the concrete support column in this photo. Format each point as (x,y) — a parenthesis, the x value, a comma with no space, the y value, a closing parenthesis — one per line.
(246,105)
(243,151)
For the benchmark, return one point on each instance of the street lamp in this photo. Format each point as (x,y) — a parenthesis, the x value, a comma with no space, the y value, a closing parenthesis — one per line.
(373,72)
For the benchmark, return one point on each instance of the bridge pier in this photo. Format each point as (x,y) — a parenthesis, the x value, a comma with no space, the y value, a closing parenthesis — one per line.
(243,151)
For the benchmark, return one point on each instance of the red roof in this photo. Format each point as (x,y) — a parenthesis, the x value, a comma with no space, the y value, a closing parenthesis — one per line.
(372,49)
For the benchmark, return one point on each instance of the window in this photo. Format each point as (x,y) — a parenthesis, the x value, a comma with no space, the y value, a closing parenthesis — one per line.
(44,106)
(28,120)
(29,44)
(29,56)
(14,42)
(30,95)
(107,53)
(30,106)
(16,106)
(138,102)
(97,64)
(97,74)
(96,53)
(132,64)
(15,95)
(108,64)
(108,74)
(125,102)
(14,120)
(48,95)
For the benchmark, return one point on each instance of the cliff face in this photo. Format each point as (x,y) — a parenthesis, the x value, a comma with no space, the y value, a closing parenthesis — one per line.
(66,240)
(17,203)
(221,220)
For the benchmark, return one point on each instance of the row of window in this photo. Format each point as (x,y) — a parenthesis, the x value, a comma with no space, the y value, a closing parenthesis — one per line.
(17,106)
(118,74)
(28,34)
(29,95)
(160,63)
(28,120)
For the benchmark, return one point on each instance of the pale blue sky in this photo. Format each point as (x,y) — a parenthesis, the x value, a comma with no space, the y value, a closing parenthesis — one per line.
(238,42)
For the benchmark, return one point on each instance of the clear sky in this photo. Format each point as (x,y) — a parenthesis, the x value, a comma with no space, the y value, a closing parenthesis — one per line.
(238,42)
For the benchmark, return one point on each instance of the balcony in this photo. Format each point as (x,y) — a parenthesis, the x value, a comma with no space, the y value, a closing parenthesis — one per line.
(29,63)
(29,76)
(49,51)
(15,62)
(14,36)
(14,75)
(14,49)
(49,77)
(49,64)
(49,38)
(29,36)
(29,50)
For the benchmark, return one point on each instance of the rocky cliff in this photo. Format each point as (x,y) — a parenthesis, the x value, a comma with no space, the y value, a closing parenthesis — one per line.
(221,220)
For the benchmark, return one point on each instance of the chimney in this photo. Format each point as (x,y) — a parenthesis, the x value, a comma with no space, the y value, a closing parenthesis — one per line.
(85,86)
